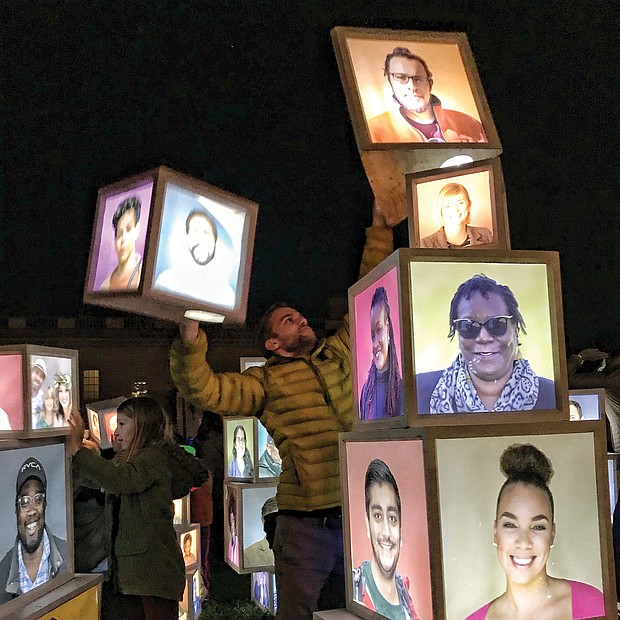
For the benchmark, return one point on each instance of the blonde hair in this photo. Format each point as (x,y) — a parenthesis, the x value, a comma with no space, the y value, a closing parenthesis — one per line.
(50,393)
(151,424)
(447,191)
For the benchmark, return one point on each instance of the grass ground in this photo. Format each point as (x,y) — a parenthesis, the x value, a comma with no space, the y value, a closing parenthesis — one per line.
(230,597)
(233,610)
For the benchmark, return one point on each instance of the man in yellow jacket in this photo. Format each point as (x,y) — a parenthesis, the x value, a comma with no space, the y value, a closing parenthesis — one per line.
(303,396)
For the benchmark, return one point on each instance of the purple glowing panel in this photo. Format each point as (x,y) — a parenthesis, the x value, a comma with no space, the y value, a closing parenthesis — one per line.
(120,246)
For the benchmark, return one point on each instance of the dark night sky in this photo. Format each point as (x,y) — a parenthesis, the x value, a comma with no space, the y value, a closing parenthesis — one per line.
(246,95)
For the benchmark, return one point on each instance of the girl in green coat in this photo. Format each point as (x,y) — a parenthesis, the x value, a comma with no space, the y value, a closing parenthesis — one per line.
(147,473)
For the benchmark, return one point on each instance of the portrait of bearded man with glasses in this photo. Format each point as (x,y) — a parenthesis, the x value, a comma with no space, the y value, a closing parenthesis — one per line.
(37,555)
(417,114)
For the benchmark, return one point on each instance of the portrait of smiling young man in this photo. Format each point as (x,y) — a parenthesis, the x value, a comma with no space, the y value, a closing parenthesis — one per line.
(376,584)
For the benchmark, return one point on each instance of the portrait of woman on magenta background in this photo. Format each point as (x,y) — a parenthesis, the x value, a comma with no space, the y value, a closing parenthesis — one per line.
(523,533)
(453,210)
(378,353)
(232,552)
(11,393)
(488,373)
(120,247)
(382,393)
(126,223)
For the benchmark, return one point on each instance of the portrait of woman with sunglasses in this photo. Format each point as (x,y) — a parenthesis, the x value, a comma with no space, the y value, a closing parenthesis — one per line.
(488,374)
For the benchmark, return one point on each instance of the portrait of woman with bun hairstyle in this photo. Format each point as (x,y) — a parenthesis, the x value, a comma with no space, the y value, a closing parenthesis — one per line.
(523,533)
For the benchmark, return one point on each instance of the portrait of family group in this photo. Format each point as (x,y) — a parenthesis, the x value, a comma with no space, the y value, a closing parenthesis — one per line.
(49,376)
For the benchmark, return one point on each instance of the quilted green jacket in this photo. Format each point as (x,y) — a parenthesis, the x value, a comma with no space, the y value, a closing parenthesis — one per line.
(303,403)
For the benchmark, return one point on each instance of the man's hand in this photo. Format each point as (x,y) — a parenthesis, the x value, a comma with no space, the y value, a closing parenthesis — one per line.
(592,355)
(189,329)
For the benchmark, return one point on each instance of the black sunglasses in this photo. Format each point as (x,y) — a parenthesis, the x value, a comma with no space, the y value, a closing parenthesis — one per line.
(468,329)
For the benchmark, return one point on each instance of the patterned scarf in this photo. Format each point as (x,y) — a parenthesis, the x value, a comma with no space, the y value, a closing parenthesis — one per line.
(455,391)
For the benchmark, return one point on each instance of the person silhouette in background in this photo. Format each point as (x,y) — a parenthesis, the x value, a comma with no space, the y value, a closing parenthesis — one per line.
(599,367)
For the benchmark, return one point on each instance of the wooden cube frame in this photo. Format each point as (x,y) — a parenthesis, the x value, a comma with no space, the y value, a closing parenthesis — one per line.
(485,187)
(361,55)
(246,362)
(613,461)
(249,499)
(102,415)
(464,466)
(250,426)
(193,531)
(264,591)
(334,614)
(17,364)
(191,594)
(385,277)
(267,463)
(80,597)
(182,515)
(427,281)
(253,497)
(404,454)
(53,456)
(591,403)
(232,525)
(167,198)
